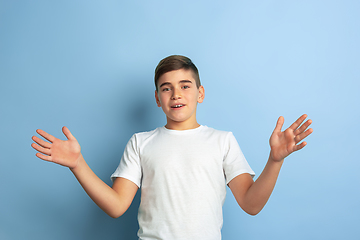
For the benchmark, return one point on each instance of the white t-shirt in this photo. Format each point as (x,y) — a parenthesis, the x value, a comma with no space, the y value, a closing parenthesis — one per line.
(183,177)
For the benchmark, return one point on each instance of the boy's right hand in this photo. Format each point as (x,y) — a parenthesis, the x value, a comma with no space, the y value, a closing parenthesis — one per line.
(66,153)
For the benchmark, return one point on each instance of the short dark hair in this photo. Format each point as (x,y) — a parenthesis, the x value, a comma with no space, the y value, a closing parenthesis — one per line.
(176,62)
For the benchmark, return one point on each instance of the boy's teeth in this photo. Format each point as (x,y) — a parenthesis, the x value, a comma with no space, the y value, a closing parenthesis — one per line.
(177,106)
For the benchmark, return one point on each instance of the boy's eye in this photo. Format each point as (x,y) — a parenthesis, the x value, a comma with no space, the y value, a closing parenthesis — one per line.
(165,89)
(185,87)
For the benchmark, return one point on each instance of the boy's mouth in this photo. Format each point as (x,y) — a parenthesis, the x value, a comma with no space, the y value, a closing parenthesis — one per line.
(177,106)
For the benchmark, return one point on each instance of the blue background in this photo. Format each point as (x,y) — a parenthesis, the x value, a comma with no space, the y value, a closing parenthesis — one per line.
(89,65)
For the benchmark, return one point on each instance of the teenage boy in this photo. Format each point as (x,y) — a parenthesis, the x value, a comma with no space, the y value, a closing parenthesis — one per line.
(182,168)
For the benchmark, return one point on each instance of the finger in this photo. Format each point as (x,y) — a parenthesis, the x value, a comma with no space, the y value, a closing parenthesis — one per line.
(38,148)
(303,127)
(279,124)
(303,135)
(298,122)
(44,157)
(67,133)
(41,142)
(45,135)
(299,146)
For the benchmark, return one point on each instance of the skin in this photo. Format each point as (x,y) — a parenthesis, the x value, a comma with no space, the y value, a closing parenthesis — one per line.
(179,88)
(252,196)
(175,88)
(114,201)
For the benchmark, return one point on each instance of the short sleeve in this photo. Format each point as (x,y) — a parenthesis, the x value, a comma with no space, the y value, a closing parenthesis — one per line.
(129,167)
(234,160)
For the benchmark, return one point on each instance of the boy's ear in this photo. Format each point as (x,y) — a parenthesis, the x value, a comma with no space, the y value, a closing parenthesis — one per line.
(201,94)
(157,99)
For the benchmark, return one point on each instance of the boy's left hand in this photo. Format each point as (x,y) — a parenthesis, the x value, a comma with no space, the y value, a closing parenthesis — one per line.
(284,143)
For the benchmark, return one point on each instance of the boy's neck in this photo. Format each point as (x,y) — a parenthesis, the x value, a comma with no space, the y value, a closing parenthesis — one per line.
(181,125)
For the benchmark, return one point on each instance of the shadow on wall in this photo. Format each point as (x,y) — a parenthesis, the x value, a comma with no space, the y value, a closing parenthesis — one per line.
(139,113)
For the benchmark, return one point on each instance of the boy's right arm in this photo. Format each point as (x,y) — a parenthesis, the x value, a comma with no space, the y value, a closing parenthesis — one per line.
(114,201)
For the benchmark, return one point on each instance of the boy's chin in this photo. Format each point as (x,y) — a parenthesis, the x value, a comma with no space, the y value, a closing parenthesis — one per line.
(175,121)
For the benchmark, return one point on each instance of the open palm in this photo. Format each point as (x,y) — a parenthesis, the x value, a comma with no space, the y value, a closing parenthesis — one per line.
(65,153)
(284,143)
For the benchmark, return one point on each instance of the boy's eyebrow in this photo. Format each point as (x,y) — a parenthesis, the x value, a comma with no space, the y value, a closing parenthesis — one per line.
(185,81)
(182,81)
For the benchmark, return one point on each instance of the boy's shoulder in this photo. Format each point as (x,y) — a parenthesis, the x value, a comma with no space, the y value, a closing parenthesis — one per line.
(146,133)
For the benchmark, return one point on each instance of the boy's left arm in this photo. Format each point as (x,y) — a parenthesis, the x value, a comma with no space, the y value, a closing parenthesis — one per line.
(252,196)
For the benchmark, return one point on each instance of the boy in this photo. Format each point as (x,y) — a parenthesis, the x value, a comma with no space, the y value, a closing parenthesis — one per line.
(182,168)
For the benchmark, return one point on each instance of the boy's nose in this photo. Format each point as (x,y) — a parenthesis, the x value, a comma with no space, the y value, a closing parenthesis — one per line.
(175,95)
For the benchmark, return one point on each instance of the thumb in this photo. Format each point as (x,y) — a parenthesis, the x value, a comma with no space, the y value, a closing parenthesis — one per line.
(68,134)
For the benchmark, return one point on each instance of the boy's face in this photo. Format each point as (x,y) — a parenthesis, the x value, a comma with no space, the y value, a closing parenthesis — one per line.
(178,96)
